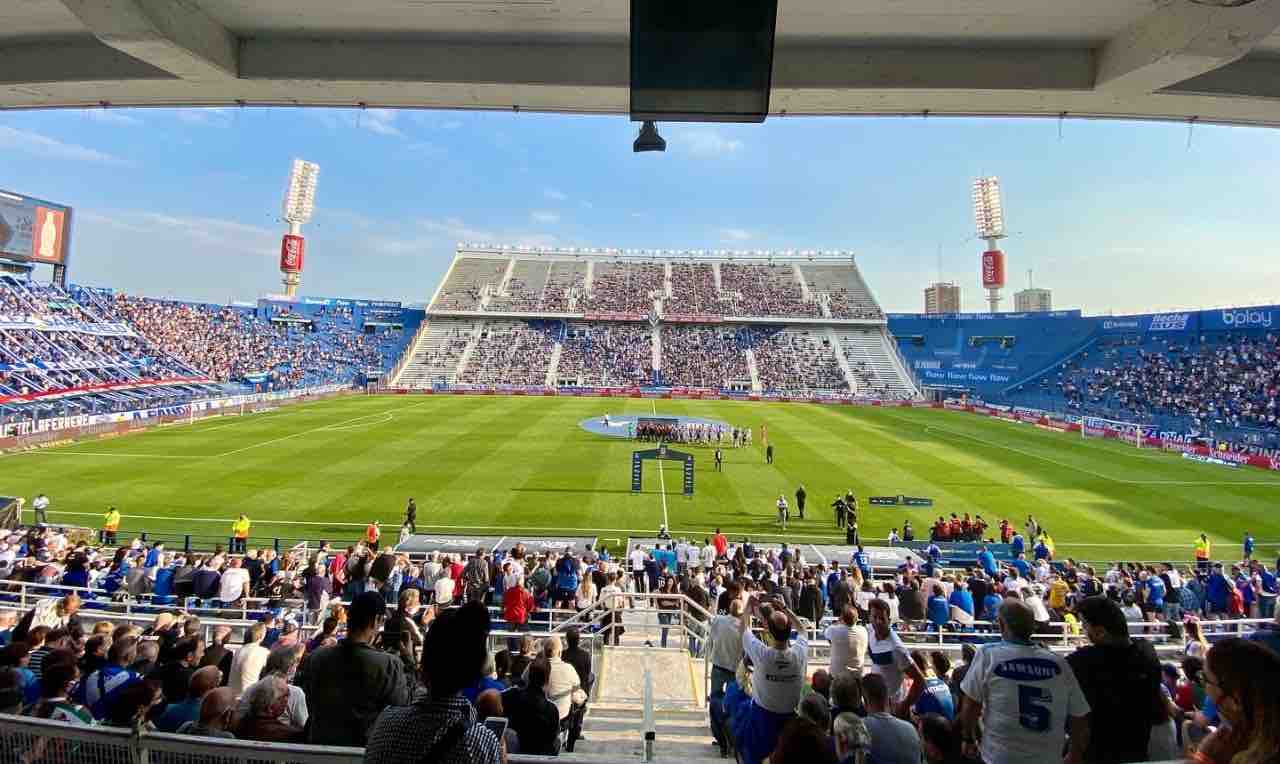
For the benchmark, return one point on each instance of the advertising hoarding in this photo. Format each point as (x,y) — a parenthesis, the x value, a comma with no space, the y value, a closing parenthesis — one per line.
(292,249)
(992,269)
(33,230)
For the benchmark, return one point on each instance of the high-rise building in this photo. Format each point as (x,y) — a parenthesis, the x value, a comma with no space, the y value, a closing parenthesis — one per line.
(1033,301)
(942,297)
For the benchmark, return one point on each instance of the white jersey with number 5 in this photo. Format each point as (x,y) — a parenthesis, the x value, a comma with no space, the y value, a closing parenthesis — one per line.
(1027,693)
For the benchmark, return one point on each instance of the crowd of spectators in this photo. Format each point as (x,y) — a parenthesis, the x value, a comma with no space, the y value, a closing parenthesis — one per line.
(515,354)
(232,344)
(618,354)
(54,344)
(765,290)
(400,657)
(624,287)
(1231,380)
(693,291)
(788,360)
(694,356)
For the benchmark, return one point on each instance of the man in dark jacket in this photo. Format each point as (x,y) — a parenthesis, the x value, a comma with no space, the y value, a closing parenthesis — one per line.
(347,685)
(532,716)
(800,497)
(411,516)
(811,600)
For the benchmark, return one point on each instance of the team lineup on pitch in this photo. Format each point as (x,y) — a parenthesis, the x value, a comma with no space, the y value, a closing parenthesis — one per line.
(325,469)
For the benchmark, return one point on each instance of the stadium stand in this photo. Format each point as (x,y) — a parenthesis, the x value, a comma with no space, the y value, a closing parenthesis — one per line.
(510,352)
(704,356)
(625,287)
(260,614)
(58,355)
(603,355)
(796,360)
(595,295)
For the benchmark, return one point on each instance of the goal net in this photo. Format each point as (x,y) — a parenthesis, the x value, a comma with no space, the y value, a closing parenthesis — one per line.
(1125,432)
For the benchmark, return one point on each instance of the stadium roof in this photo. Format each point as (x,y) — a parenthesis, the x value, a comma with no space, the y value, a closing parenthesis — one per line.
(1166,59)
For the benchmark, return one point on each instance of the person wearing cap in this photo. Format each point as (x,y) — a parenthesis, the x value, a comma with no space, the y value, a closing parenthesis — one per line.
(349,684)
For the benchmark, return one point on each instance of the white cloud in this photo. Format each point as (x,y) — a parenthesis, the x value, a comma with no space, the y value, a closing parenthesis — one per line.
(555,195)
(220,233)
(545,217)
(707,142)
(42,146)
(456,229)
(735,234)
(110,117)
(380,121)
(206,116)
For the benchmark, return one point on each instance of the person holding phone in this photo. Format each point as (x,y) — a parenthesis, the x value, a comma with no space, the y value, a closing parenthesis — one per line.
(778,680)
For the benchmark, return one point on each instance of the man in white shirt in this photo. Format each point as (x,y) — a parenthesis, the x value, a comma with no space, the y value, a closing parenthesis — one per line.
(848,640)
(782,511)
(693,557)
(234,583)
(444,590)
(638,557)
(777,680)
(682,556)
(249,660)
(891,660)
(1025,696)
(40,504)
(708,555)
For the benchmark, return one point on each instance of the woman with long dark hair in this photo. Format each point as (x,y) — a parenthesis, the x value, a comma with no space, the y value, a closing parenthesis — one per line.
(1241,678)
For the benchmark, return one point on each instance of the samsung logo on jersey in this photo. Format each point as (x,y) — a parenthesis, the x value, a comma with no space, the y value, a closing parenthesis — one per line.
(1168,322)
(1028,669)
(1246,317)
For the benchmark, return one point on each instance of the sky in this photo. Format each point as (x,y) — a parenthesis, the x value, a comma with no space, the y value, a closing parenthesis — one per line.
(1112,216)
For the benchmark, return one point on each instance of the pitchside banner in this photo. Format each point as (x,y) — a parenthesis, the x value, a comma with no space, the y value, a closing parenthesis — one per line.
(906,501)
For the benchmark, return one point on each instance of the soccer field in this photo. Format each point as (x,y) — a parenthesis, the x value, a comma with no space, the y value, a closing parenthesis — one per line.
(496,465)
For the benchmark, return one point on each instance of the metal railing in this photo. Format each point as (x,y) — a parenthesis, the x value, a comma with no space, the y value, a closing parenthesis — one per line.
(24,594)
(43,741)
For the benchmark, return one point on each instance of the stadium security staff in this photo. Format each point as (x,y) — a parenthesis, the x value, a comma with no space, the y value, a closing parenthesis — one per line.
(240,534)
(110,524)
(800,496)
(838,506)
(719,460)
(768,454)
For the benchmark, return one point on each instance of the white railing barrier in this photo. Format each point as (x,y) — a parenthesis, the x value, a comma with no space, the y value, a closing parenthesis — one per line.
(27,739)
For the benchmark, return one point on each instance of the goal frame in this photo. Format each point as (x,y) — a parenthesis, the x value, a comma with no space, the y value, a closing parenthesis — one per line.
(1130,433)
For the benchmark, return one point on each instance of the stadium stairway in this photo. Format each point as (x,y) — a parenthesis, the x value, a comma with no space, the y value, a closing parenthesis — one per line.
(614,723)
(756,387)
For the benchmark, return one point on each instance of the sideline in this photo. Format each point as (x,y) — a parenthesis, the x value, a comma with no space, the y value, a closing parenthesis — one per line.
(646,532)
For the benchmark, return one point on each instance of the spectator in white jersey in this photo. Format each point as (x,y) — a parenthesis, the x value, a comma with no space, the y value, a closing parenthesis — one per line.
(848,640)
(1025,696)
(891,660)
(778,679)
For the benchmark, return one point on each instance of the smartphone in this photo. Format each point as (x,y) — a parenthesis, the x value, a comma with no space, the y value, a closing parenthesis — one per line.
(497,725)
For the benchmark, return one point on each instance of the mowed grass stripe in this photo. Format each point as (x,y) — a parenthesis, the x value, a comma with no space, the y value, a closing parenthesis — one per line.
(524,462)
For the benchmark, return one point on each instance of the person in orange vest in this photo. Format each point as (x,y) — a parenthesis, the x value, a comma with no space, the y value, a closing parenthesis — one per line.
(240,534)
(110,524)
(372,533)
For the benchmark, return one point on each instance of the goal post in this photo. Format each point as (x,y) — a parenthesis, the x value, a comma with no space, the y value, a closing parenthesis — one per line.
(1131,433)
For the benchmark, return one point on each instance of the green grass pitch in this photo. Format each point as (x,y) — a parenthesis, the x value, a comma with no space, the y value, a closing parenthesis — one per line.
(497,465)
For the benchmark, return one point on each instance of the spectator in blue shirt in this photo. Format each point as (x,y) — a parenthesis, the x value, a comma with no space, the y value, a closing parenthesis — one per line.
(1021,565)
(934,553)
(936,698)
(1248,546)
(937,611)
(991,605)
(961,598)
(1041,551)
(863,561)
(1155,592)
(1018,546)
(987,561)
(1217,591)
(1266,597)
(666,560)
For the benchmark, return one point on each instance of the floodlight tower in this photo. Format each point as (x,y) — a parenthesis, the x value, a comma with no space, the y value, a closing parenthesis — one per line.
(988,215)
(299,204)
